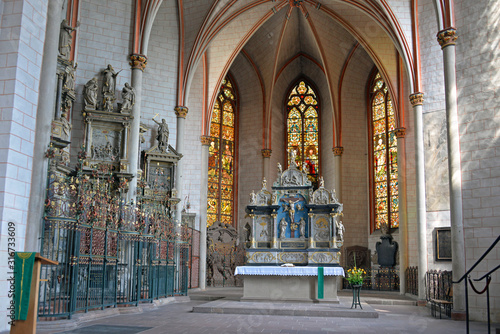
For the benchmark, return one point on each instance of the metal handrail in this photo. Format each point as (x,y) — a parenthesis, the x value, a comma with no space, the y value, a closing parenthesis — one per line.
(487,286)
(487,274)
(478,261)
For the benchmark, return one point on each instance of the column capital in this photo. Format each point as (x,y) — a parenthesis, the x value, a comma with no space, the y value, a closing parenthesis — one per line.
(400,132)
(138,61)
(417,99)
(181,111)
(205,140)
(338,151)
(447,37)
(266,152)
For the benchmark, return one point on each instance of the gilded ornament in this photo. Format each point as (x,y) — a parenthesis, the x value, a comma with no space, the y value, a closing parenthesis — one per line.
(417,99)
(337,151)
(138,61)
(266,153)
(447,37)
(181,111)
(400,132)
(205,140)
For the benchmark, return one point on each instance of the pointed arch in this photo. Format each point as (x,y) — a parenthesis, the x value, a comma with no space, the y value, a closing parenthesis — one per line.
(384,192)
(222,160)
(303,110)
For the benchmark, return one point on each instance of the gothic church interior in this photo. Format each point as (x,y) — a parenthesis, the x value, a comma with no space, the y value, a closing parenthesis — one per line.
(182,108)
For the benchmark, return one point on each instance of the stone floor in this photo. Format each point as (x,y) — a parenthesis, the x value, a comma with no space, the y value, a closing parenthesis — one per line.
(397,314)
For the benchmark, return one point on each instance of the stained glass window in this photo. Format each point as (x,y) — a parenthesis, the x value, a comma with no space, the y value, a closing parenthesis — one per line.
(221,165)
(303,128)
(384,156)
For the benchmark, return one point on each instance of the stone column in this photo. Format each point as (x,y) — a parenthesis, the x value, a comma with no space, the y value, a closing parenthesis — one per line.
(205,144)
(403,218)
(337,184)
(417,99)
(138,63)
(44,117)
(181,113)
(266,160)
(446,39)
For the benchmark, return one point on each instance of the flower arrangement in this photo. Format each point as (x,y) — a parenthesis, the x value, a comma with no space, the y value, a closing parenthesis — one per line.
(355,276)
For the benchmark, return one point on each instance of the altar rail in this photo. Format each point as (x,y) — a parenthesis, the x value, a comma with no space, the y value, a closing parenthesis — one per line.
(381,279)
(412,280)
(438,284)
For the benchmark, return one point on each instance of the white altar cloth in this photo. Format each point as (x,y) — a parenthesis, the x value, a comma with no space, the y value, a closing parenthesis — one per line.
(287,271)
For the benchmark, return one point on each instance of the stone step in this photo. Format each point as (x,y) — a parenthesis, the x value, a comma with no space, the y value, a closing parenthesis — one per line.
(341,310)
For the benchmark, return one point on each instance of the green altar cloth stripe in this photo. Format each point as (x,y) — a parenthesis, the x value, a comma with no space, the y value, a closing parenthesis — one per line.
(23,272)
(321,286)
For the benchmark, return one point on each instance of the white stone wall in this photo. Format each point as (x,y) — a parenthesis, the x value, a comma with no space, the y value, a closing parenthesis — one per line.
(250,161)
(478,87)
(104,37)
(192,146)
(22,34)
(355,159)
(159,88)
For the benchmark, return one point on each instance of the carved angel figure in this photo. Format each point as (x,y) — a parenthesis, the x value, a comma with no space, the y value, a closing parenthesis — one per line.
(128,96)
(90,94)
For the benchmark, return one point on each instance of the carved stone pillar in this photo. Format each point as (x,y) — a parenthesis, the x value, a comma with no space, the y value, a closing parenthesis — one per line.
(447,39)
(274,234)
(266,160)
(205,144)
(44,116)
(181,113)
(337,182)
(417,100)
(403,218)
(138,64)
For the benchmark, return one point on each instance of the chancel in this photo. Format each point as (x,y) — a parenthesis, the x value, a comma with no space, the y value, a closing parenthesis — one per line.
(293,226)
(293,151)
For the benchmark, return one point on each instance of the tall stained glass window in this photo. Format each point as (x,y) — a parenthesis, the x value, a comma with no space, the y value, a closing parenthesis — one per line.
(384,156)
(221,159)
(303,128)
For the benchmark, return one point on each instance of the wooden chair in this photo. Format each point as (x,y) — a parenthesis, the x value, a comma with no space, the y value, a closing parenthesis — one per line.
(446,304)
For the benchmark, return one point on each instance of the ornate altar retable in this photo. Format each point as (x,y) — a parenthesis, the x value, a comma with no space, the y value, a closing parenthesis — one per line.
(296,227)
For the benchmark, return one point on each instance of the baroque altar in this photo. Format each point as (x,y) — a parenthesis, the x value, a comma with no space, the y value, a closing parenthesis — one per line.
(294,226)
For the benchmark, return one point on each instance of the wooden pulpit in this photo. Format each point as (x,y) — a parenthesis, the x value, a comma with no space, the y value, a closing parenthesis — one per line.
(28,326)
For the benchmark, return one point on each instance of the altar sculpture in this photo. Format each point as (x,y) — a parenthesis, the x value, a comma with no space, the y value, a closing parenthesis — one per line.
(294,240)
(294,224)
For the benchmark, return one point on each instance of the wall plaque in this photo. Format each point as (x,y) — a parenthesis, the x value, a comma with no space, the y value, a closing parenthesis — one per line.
(443,243)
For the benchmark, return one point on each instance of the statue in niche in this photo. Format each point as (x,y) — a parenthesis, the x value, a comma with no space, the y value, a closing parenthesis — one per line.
(162,135)
(109,80)
(340,230)
(66,38)
(302,228)
(128,96)
(90,94)
(283,226)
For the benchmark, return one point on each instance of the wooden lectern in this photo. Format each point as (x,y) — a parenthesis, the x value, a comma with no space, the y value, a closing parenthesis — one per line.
(28,326)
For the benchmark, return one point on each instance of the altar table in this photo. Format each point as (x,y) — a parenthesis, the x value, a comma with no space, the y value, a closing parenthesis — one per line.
(292,284)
